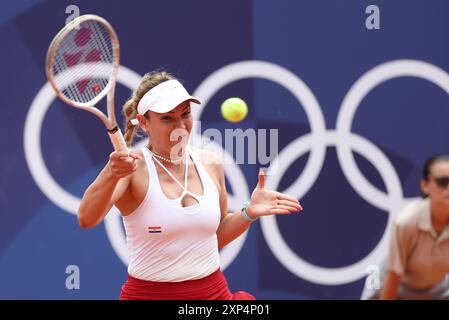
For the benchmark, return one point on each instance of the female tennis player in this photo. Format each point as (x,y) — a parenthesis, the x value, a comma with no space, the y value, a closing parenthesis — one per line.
(173,200)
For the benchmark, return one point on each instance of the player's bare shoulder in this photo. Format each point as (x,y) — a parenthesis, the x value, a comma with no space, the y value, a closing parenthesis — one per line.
(208,158)
(140,153)
(211,161)
(141,163)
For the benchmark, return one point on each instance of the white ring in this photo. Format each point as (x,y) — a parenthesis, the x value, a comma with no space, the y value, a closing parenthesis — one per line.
(350,104)
(281,250)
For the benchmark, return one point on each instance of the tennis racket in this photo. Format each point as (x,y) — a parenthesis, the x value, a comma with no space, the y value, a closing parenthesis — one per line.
(82,65)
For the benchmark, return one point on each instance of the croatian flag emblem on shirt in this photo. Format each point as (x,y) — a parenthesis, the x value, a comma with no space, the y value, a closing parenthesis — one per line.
(154,229)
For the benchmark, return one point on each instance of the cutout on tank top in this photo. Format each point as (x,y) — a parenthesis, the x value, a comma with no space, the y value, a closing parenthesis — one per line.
(190,199)
(187,199)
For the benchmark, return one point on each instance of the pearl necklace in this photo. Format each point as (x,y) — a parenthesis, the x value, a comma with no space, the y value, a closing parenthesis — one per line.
(177,161)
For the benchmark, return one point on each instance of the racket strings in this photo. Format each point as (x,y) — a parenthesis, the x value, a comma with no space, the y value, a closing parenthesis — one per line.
(84,62)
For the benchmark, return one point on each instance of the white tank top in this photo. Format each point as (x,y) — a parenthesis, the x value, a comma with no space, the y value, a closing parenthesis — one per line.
(170,243)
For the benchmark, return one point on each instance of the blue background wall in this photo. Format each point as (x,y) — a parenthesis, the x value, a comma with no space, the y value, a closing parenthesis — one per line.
(324,43)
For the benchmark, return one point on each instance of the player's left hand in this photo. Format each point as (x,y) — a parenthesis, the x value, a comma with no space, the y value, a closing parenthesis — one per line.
(266,202)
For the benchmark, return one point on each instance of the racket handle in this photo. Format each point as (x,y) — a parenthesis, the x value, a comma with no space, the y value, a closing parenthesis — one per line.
(118,141)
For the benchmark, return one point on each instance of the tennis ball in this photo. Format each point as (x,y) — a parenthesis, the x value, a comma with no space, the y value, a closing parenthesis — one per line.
(234,109)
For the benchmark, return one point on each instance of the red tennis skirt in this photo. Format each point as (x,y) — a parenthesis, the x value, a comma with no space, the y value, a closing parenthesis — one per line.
(212,287)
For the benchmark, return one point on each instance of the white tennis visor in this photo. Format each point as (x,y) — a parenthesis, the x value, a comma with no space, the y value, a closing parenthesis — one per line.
(165,97)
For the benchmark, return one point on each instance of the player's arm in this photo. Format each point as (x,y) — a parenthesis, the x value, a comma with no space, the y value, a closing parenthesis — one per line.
(109,186)
(232,225)
(391,285)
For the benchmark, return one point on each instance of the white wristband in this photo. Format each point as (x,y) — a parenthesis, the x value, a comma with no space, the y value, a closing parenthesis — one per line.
(246,215)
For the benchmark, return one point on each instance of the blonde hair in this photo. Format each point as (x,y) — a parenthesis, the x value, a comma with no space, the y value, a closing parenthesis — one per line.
(149,81)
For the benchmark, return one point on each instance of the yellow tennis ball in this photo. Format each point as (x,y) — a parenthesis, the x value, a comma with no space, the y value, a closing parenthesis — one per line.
(234,109)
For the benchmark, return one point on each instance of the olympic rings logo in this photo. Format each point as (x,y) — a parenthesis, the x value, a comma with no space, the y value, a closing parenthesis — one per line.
(315,142)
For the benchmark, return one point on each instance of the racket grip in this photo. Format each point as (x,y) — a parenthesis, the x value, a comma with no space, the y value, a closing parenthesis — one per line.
(118,141)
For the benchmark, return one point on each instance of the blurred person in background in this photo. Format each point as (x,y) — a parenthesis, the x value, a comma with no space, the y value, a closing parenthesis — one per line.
(417,265)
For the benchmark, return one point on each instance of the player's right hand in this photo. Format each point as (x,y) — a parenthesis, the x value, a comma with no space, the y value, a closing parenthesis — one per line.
(121,164)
